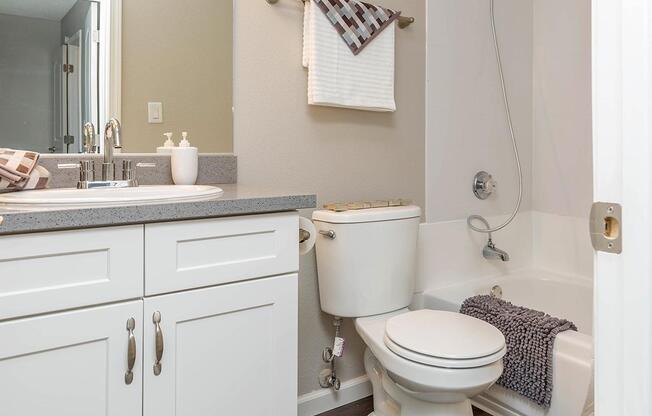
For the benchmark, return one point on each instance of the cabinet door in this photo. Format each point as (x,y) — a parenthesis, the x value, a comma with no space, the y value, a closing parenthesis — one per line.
(229,350)
(71,363)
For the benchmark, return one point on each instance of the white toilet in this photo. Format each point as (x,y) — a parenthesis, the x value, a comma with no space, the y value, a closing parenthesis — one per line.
(421,363)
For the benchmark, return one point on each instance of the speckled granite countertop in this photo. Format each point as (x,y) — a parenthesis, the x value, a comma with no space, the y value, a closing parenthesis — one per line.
(237,200)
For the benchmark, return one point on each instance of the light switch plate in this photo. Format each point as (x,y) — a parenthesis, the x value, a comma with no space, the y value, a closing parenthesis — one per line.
(155,112)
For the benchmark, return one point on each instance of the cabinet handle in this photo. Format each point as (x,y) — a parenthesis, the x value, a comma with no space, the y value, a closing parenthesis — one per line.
(159,342)
(131,351)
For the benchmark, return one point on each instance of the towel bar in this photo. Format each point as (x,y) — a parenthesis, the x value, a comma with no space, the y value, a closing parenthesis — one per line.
(403,21)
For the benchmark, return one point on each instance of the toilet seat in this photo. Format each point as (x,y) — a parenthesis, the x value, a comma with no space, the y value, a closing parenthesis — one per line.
(418,377)
(444,339)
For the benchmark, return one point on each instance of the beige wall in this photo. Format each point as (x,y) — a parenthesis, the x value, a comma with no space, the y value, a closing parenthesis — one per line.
(178,53)
(338,154)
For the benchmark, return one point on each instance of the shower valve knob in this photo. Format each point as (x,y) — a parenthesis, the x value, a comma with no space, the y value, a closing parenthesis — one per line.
(483,185)
(490,186)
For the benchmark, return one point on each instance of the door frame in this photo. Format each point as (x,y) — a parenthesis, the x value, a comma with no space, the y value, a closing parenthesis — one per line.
(74,89)
(622,108)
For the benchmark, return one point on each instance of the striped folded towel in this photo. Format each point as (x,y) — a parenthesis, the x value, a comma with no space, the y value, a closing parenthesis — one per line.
(19,170)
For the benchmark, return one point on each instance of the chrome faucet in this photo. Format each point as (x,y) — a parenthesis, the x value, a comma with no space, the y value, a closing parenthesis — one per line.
(112,144)
(89,144)
(491,252)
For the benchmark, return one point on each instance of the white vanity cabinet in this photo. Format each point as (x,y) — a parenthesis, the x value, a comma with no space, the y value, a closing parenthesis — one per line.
(224,341)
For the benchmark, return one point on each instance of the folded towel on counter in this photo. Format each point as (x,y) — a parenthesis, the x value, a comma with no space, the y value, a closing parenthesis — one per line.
(337,77)
(530,337)
(19,170)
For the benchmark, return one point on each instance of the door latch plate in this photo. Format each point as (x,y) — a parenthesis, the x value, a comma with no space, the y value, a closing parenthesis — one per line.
(606,227)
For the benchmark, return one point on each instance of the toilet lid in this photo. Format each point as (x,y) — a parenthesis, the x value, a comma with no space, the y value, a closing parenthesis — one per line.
(425,335)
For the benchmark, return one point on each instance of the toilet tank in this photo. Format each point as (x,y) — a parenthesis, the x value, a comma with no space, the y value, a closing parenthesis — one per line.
(366,259)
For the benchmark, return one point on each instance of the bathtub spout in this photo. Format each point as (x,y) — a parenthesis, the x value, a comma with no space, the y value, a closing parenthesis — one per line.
(491,252)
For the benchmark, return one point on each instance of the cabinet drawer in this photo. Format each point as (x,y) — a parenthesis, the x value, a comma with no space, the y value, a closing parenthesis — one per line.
(60,270)
(191,254)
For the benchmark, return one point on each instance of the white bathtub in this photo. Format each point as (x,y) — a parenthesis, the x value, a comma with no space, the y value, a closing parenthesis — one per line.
(573,351)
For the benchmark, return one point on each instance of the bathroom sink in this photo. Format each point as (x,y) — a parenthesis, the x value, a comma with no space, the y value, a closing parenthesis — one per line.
(79,198)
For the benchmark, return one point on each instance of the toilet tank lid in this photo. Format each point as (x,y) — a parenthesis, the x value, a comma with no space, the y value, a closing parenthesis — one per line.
(367,215)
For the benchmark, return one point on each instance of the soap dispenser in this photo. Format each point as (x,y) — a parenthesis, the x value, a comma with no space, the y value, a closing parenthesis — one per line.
(185,161)
(167,147)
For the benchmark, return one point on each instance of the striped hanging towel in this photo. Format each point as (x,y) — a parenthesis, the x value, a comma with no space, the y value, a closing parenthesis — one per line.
(339,78)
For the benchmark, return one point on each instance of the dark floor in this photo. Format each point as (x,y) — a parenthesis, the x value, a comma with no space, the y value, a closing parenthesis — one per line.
(365,406)
(360,408)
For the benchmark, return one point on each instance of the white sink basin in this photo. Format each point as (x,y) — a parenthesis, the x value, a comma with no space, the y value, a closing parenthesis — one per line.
(79,198)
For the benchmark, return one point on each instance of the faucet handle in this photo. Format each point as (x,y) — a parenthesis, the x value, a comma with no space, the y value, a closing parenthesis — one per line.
(129,173)
(86,170)
(128,170)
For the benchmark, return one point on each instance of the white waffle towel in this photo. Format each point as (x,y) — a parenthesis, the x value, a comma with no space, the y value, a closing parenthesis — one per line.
(336,77)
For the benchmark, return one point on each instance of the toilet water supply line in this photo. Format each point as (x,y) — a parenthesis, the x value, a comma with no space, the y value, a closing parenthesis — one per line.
(328,376)
(472,218)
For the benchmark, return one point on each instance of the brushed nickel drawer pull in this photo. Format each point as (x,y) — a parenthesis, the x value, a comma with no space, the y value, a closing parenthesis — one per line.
(131,351)
(159,342)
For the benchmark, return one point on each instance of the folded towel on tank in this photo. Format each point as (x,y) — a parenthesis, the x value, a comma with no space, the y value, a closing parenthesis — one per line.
(530,338)
(19,170)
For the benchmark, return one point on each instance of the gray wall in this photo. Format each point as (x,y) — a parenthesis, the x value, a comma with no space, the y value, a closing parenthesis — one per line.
(75,19)
(27,51)
(339,154)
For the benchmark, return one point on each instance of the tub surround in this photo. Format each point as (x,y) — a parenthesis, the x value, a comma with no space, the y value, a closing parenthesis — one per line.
(236,200)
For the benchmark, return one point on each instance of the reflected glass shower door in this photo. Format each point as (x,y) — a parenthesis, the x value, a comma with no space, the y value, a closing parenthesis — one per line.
(76,95)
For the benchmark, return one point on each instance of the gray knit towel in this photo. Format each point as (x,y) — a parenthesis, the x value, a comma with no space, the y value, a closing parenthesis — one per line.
(530,337)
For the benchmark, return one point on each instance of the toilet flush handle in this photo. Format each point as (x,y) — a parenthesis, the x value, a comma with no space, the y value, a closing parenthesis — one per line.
(328,234)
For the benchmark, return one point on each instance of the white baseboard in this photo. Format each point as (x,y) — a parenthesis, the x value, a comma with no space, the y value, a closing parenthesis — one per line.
(320,401)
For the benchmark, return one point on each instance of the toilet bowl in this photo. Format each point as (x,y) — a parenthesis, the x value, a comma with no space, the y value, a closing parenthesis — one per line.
(429,362)
(420,363)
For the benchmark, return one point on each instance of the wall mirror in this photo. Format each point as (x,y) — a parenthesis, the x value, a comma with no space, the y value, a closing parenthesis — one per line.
(157,65)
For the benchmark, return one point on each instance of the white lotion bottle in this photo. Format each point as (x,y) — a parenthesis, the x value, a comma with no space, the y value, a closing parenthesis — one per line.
(185,162)
(167,147)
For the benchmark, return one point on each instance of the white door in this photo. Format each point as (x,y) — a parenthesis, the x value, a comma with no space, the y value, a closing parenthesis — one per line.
(72,363)
(228,350)
(622,112)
